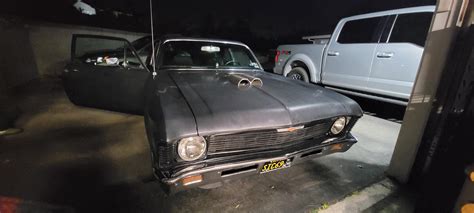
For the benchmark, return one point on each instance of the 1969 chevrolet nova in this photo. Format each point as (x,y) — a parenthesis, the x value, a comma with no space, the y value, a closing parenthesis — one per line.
(211,112)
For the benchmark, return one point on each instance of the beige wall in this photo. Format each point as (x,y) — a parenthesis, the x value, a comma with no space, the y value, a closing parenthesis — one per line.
(35,50)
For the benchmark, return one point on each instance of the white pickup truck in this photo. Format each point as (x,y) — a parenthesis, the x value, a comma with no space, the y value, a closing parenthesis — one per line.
(374,55)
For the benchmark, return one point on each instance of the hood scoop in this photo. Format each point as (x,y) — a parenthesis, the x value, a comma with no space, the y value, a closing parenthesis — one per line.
(244,81)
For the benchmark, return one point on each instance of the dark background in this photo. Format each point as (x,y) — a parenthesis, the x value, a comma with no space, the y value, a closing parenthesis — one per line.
(261,24)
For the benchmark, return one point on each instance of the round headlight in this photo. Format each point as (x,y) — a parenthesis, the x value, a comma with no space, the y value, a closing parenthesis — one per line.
(338,125)
(191,148)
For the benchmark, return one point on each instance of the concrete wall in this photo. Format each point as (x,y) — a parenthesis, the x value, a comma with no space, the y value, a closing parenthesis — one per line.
(35,50)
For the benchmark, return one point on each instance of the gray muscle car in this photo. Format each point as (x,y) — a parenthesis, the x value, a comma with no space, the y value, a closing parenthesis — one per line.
(211,113)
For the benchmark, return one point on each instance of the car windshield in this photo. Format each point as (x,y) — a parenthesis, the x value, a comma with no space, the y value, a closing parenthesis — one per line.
(200,54)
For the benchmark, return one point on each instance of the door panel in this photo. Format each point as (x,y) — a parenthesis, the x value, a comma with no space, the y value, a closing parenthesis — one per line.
(105,73)
(348,65)
(394,69)
(349,58)
(396,61)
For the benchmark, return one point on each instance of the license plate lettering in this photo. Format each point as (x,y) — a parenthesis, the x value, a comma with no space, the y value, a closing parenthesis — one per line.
(274,165)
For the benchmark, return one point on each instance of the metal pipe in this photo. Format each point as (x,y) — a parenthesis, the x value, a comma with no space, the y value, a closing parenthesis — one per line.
(254,81)
(240,81)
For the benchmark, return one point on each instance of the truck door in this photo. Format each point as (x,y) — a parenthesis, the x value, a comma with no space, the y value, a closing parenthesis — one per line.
(398,55)
(350,53)
(105,73)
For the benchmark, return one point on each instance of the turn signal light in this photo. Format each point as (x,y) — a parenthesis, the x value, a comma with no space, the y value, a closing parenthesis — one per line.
(336,146)
(191,180)
(468,208)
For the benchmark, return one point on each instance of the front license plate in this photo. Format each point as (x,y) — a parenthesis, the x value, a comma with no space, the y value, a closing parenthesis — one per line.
(275,165)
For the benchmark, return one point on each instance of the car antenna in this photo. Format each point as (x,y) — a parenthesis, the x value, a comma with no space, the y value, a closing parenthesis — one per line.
(152,42)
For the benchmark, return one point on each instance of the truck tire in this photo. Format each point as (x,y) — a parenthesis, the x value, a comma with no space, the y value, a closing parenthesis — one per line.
(298,73)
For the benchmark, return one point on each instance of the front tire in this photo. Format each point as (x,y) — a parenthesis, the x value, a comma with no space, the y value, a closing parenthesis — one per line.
(299,74)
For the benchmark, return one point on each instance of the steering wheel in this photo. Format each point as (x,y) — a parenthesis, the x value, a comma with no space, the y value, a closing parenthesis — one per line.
(231,62)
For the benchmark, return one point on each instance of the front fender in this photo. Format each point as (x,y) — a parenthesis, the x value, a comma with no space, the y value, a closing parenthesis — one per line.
(314,73)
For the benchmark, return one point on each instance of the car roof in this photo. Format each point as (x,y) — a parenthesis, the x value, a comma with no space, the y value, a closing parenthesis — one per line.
(183,38)
(178,37)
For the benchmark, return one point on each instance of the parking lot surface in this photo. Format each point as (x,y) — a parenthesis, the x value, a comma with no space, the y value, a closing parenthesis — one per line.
(95,161)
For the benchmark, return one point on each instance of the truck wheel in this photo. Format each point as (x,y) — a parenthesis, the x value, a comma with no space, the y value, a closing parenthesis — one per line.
(298,73)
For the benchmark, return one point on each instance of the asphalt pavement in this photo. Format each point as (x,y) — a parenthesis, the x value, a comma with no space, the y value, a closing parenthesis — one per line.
(98,161)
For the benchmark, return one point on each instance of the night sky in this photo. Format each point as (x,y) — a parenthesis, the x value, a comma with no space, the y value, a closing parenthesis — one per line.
(266,23)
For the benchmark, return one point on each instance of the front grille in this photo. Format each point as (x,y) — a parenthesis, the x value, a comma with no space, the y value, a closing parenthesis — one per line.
(265,138)
(165,155)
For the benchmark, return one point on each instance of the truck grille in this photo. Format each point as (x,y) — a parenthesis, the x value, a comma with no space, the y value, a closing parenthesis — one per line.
(265,138)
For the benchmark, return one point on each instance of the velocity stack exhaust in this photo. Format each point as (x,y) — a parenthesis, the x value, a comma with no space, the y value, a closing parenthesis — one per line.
(241,81)
(254,81)
(244,81)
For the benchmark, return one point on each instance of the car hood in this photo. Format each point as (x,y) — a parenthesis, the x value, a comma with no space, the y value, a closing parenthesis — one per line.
(219,106)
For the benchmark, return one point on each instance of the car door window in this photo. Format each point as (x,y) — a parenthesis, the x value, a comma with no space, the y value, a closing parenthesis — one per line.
(361,31)
(411,28)
(98,51)
(145,51)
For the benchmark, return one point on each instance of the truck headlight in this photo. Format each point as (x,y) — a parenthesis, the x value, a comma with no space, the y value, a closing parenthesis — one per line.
(338,125)
(191,148)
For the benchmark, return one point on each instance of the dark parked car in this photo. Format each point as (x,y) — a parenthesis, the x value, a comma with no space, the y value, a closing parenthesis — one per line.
(211,112)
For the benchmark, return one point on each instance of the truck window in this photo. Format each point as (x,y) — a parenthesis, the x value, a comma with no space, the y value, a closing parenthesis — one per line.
(360,31)
(411,28)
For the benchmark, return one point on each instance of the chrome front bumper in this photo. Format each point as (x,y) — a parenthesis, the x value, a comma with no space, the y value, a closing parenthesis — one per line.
(213,176)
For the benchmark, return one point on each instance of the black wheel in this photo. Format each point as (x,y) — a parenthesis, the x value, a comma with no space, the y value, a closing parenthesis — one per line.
(298,73)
